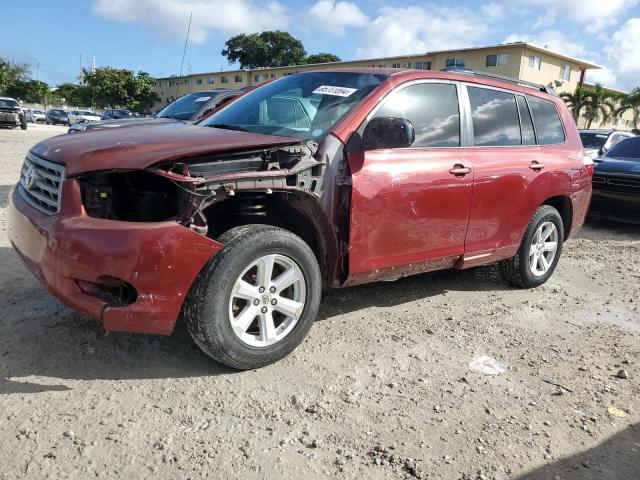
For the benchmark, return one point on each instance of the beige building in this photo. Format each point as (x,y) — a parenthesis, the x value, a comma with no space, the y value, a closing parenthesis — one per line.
(518,60)
(621,122)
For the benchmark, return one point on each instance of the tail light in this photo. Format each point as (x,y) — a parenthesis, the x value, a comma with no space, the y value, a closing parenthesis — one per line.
(588,162)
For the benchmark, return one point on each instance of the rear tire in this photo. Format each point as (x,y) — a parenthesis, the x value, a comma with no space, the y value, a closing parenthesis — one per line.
(539,251)
(235,309)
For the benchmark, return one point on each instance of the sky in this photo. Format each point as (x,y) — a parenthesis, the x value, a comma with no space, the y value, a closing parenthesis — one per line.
(149,35)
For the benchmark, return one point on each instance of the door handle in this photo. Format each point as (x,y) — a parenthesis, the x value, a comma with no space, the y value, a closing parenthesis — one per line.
(459,170)
(535,165)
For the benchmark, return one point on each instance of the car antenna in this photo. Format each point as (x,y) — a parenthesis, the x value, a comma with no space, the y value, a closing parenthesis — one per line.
(184,51)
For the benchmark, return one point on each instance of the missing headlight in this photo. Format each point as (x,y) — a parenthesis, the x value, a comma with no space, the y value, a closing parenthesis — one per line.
(134,196)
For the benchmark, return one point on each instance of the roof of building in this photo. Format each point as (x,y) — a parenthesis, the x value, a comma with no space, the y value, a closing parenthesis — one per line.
(583,63)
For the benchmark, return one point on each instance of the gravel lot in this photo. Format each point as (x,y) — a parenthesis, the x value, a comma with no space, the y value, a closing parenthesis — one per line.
(381,388)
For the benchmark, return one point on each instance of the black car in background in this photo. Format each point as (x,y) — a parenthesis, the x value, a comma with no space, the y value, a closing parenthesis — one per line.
(12,114)
(117,114)
(616,183)
(57,116)
(188,108)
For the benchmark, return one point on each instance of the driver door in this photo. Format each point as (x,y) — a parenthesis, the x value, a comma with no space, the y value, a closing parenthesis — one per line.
(410,206)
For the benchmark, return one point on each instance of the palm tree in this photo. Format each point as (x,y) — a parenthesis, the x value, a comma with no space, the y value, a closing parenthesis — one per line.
(631,102)
(601,104)
(576,101)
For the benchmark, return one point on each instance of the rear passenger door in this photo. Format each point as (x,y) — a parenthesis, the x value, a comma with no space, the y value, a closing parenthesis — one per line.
(410,206)
(513,174)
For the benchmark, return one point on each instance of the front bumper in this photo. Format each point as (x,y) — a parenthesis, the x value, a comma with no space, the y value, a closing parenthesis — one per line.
(622,207)
(10,119)
(160,260)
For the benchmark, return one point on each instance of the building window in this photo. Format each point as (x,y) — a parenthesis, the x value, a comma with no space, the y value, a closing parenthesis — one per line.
(259,78)
(395,65)
(407,65)
(198,81)
(423,65)
(224,79)
(565,72)
(238,78)
(273,75)
(534,62)
(381,65)
(457,62)
(210,80)
(497,60)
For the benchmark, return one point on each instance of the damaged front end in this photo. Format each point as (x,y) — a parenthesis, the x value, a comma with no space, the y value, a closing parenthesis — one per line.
(249,183)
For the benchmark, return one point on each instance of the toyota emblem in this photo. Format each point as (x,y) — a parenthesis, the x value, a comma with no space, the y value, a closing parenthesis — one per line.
(30,177)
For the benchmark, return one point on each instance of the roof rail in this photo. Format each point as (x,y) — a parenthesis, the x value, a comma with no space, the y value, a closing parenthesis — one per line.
(467,71)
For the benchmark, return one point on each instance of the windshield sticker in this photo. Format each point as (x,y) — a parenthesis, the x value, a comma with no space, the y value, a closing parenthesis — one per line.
(202,99)
(336,91)
(601,136)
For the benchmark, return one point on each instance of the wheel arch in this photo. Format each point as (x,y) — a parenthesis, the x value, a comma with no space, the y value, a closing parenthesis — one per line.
(296,212)
(563,205)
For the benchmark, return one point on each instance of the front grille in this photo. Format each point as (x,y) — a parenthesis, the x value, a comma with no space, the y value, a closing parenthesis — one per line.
(41,184)
(618,183)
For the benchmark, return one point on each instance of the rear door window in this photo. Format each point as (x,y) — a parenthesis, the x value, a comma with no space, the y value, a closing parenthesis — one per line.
(495,118)
(526,124)
(547,121)
(433,110)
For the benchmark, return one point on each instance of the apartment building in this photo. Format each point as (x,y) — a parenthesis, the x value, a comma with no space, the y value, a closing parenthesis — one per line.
(518,60)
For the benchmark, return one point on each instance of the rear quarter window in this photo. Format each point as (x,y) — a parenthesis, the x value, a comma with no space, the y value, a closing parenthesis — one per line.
(547,121)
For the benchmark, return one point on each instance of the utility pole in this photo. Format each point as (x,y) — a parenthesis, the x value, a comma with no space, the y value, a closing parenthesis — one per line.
(81,76)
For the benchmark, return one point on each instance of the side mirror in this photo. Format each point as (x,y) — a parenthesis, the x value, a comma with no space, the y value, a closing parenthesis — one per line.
(388,132)
(603,150)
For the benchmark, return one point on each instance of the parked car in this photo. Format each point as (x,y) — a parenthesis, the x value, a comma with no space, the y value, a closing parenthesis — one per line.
(616,183)
(56,116)
(34,115)
(598,142)
(12,114)
(116,113)
(80,116)
(188,108)
(237,223)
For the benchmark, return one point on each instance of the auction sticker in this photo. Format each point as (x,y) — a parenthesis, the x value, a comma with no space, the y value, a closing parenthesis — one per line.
(336,91)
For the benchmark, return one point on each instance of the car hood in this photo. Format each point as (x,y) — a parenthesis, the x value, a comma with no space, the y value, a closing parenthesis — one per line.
(132,148)
(617,165)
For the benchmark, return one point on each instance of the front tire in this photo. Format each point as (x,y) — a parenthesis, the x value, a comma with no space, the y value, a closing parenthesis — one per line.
(539,251)
(256,300)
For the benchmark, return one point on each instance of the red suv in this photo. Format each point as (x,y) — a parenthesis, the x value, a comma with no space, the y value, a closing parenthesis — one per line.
(320,179)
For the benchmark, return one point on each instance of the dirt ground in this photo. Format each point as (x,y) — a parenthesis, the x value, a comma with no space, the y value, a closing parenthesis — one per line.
(381,388)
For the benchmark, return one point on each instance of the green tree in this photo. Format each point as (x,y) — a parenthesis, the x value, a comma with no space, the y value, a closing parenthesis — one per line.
(577,101)
(601,105)
(631,102)
(11,72)
(113,87)
(31,91)
(322,58)
(266,49)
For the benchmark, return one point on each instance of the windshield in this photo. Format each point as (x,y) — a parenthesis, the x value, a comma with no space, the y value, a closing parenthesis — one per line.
(304,105)
(186,106)
(6,102)
(629,148)
(593,140)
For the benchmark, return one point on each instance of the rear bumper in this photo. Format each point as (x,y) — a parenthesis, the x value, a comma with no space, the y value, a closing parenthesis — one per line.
(160,260)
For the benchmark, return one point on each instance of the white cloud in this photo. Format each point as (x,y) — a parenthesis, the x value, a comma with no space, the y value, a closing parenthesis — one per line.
(596,13)
(624,52)
(604,76)
(551,39)
(170,17)
(334,17)
(398,31)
